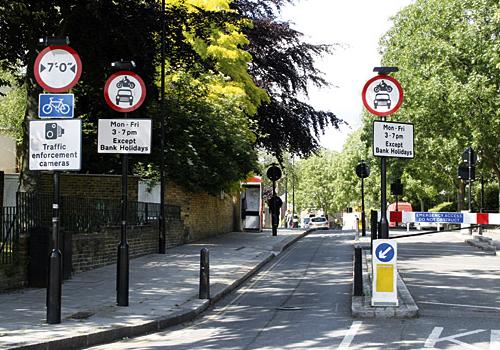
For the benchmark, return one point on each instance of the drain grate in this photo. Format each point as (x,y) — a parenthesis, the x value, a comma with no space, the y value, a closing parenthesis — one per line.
(82,315)
(289,308)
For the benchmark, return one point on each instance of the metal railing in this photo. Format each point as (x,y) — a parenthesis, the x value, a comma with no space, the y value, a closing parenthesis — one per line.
(77,215)
(9,239)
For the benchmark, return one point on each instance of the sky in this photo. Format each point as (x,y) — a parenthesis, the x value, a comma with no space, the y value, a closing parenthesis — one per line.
(357,25)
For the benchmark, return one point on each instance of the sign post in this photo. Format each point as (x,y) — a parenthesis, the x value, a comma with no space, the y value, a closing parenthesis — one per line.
(57,68)
(124,92)
(384,288)
(275,203)
(383,95)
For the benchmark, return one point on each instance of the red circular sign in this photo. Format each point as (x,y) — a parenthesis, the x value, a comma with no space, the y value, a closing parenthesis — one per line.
(124,91)
(57,68)
(382,95)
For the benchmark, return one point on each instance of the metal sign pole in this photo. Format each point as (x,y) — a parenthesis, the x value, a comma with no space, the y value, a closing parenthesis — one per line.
(162,241)
(274,222)
(469,156)
(122,277)
(384,225)
(54,291)
(363,218)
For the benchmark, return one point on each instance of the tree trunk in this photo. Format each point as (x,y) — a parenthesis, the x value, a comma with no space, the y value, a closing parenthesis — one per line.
(460,196)
(29,178)
(496,170)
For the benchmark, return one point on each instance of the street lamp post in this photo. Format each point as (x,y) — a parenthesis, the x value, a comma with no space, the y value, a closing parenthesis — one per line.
(162,241)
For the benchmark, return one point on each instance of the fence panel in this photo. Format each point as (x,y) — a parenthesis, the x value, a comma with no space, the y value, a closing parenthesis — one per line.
(9,235)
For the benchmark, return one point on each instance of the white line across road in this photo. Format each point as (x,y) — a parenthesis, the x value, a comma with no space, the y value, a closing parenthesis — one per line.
(461,305)
(495,339)
(346,342)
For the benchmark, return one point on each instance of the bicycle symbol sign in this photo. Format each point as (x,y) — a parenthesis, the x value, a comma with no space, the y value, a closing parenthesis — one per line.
(56,106)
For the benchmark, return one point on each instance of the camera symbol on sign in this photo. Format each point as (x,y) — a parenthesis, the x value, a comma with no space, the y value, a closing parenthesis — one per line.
(53,131)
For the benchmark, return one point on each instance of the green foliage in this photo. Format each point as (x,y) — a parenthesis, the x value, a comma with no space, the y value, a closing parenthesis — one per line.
(12,105)
(448,55)
(444,207)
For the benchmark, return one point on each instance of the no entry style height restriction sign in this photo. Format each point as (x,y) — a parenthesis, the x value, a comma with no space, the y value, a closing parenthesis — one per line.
(382,95)
(57,68)
(124,91)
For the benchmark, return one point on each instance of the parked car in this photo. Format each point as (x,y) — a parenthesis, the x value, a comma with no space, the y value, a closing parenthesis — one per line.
(319,222)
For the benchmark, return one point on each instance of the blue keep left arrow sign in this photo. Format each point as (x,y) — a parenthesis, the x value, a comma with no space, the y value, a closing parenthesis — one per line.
(56,106)
(384,252)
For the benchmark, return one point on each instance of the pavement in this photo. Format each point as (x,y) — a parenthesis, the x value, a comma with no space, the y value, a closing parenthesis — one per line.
(163,292)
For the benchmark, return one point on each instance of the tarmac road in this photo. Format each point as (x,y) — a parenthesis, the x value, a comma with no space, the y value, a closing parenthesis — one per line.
(302,301)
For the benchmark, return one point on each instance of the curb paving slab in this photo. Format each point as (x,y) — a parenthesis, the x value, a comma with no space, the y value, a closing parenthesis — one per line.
(163,292)
(361,305)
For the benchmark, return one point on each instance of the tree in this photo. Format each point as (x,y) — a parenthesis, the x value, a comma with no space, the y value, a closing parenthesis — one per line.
(284,66)
(209,142)
(447,53)
(101,32)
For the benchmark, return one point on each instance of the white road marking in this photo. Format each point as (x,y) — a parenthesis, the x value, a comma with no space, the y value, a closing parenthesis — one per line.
(461,305)
(495,339)
(433,338)
(346,342)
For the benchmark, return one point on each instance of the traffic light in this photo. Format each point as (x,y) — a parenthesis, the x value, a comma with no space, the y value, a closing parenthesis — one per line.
(463,172)
(469,154)
(397,188)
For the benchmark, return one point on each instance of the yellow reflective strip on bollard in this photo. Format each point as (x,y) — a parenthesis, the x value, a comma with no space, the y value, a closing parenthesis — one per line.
(385,278)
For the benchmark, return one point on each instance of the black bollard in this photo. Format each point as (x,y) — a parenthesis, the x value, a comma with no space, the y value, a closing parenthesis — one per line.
(204,274)
(358,272)
(373,226)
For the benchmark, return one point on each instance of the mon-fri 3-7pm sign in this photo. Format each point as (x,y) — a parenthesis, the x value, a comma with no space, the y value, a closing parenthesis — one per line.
(393,139)
(126,136)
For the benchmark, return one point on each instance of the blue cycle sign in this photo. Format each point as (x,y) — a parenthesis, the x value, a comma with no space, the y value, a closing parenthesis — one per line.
(56,106)
(384,252)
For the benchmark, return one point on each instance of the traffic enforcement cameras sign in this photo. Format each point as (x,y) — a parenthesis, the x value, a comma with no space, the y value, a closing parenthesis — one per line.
(55,144)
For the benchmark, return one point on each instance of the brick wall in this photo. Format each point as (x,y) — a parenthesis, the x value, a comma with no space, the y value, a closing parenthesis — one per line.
(90,186)
(92,250)
(204,215)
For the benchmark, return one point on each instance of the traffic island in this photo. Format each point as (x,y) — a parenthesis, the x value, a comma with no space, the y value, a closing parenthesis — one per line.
(484,243)
(361,305)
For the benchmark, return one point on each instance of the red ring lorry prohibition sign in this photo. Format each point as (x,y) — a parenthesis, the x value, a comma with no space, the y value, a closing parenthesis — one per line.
(57,68)
(124,91)
(382,95)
